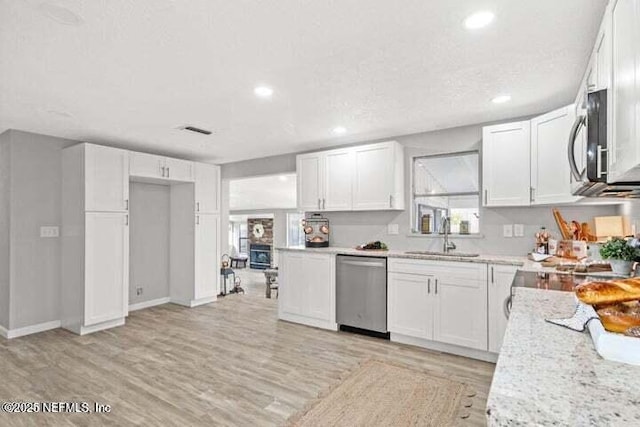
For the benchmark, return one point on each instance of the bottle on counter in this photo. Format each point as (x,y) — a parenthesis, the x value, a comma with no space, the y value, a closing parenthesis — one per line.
(542,241)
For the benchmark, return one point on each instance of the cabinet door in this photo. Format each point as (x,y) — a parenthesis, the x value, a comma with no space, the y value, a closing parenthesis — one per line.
(550,174)
(207,256)
(207,191)
(506,164)
(500,279)
(373,184)
(309,171)
(338,180)
(179,170)
(460,312)
(106,179)
(318,287)
(146,165)
(410,305)
(624,150)
(292,284)
(106,267)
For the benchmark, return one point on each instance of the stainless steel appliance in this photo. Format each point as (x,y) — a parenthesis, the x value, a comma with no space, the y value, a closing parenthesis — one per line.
(587,152)
(361,294)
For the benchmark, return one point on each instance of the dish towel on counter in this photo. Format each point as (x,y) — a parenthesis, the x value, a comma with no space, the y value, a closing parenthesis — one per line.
(580,319)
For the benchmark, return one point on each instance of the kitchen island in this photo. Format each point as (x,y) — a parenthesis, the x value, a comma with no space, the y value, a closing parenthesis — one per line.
(550,375)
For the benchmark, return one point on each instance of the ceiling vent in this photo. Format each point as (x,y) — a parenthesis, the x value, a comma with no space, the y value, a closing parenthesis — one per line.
(195,129)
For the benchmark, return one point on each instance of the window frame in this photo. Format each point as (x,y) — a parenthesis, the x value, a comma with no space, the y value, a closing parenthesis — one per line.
(288,216)
(412,196)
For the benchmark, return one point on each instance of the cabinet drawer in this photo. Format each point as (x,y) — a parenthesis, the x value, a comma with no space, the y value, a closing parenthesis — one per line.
(452,269)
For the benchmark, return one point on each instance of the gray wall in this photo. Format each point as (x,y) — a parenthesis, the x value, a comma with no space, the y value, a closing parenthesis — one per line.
(35,201)
(5,184)
(149,241)
(352,228)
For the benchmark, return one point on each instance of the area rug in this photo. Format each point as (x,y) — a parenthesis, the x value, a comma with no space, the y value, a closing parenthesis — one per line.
(383,394)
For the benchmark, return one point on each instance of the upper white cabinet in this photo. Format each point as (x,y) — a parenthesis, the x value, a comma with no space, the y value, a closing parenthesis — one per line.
(367,177)
(106,178)
(624,148)
(306,292)
(440,301)
(207,188)
(150,166)
(500,279)
(505,164)
(550,174)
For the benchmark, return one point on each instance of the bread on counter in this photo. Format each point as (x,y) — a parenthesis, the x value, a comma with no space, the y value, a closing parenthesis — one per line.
(621,317)
(609,292)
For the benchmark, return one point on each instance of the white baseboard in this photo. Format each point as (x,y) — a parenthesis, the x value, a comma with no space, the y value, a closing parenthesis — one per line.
(147,304)
(445,348)
(194,302)
(28,330)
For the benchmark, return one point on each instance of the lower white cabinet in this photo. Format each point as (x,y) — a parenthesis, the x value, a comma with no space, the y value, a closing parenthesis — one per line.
(306,290)
(206,256)
(106,269)
(500,279)
(440,301)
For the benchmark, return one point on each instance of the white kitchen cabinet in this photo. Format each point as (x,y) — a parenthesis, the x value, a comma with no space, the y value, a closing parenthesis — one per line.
(306,291)
(624,149)
(337,179)
(367,177)
(105,178)
(410,306)
(460,312)
(207,188)
(179,170)
(309,171)
(206,256)
(377,179)
(550,174)
(499,291)
(506,164)
(444,302)
(106,293)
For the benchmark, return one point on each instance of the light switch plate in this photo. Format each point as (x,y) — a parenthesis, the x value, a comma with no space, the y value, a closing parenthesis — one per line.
(50,231)
(518,230)
(507,230)
(393,229)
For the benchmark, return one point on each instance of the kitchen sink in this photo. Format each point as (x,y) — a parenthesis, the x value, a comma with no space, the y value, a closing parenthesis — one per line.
(451,254)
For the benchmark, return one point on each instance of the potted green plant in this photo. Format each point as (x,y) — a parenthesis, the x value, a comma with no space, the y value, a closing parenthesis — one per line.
(620,255)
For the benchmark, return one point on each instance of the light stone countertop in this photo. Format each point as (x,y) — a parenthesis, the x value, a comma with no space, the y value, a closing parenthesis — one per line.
(482,259)
(550,375)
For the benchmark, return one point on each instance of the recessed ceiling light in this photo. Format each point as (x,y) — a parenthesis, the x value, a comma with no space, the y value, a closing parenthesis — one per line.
(501,99)
(339,130)
(479,20)
(283,178)
(60,14)
(263,91)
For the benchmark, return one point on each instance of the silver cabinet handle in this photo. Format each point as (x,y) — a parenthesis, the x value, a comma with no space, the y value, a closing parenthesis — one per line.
(162,168)
(168,172)
(532,194)
(429,285)
(126,205)
(579,123)
(126,220)
(436,286)
(197,219)
(319,204)
(390,201)
(197,206)
(492,281)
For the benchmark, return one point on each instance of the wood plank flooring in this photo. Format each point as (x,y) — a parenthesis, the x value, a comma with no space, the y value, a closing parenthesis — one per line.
(228,363)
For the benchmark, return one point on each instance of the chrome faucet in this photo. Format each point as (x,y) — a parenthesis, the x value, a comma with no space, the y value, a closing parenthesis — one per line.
(446,229)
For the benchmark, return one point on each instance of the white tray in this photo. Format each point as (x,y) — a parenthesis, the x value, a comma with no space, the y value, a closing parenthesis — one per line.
(612,346)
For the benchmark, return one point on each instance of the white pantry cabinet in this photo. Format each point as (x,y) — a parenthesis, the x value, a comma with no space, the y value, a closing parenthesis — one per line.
(500,280)
(207,188)
(550,174)
(306,290)
(624,148)
(206,256)
(506,164)
(366,177)
(441,301)
(151,166)
(106,179)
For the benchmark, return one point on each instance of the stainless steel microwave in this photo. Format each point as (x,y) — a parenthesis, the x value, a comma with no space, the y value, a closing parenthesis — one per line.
(587,152)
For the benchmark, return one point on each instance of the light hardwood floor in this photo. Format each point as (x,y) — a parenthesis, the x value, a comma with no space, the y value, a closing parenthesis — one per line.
(228,363)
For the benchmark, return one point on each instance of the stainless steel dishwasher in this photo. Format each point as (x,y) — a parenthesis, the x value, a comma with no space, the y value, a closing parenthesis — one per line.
(361,294)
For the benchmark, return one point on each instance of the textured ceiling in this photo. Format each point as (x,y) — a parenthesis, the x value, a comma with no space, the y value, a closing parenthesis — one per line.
(130,72)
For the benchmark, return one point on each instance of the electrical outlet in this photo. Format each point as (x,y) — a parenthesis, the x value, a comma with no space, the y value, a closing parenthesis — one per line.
(507,230)
(393,229)
(518,230)
(51,231)
(138,291)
